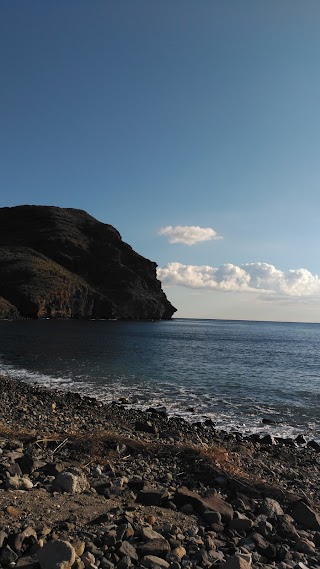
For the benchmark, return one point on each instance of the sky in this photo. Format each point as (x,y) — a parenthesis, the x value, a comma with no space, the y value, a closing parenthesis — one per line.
(192,126)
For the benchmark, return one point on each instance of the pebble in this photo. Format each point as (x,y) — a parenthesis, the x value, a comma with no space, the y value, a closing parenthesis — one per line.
(56,554)
(163,509)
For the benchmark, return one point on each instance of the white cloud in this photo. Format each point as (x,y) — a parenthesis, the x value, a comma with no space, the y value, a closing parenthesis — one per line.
(259,278)
(188,235)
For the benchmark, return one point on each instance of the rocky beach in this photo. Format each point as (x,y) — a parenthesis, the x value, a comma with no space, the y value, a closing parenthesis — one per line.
(89,485)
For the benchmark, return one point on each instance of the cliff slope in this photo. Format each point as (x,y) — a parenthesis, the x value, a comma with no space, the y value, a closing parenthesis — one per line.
(63,263)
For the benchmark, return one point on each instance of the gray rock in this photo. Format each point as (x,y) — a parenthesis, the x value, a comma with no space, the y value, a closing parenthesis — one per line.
(28,562)
(265,528)
(305,516)
(18,483)
(153,562)
(212,517)
(145,427)
(152,496)
(286,529)
(271,508)
(155,547)
(88,558)
(56,554)
(179,551)
(106,564)
(126,549)
(240,522)
(7,556)
(148,533)
(213,503)
(305,546)
(3,537)
(72,481)
(124,563)
(28,532)
(236,562)
(264,547)
(121,531)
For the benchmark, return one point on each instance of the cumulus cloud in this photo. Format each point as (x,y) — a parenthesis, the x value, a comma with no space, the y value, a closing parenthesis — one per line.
(188,234)
(259,278)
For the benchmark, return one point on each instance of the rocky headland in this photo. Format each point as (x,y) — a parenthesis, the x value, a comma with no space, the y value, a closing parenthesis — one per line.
(63,263)
(89,485)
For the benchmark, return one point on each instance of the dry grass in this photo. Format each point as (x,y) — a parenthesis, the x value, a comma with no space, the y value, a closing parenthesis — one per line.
(198,461)
(104,446)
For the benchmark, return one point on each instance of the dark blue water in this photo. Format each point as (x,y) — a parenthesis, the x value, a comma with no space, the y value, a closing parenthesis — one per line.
(236,373)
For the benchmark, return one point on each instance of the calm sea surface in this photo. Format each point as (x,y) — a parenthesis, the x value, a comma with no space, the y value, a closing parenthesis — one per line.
(235,372)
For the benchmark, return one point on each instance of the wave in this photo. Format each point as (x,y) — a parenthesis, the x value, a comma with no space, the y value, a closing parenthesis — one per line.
(228,414)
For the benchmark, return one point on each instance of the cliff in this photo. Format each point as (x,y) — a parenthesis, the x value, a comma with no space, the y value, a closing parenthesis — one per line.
(63,263)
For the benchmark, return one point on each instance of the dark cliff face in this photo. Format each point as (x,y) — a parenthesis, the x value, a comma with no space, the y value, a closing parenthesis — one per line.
(63,263)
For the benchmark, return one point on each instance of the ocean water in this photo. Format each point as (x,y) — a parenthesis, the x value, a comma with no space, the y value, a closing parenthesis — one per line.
(237,373)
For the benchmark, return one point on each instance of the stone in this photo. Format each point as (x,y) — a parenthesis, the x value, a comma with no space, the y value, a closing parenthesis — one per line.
(124,563)
(7,556)
(145,427)
(305,546)
(236,562)
(246,556)
(264,547)
(79,547)
(88,558)
(305,516)
(72,481)
(268,440)
(127,549)
(300,440)
(286,529)
(157,547)
(316,539)
(14,512)
(121,531)
(179,551)
(271,508)
(265,528)
(148,533)
(213,503)
(153,562)
(27,464)
(152,496)
(26,534)
(3,538)
(78,564)
(106,563)
(314,445)
(212,517)
(28,562)
(240,522)
(18,483)
(56,554)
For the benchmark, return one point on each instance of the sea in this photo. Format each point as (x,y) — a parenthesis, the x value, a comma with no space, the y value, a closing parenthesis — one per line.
(252,377)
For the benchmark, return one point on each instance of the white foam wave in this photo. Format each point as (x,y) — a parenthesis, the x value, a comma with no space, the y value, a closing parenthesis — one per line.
(227,414)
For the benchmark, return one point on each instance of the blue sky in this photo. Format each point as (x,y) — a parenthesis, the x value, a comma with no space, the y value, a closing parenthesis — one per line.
(151,114)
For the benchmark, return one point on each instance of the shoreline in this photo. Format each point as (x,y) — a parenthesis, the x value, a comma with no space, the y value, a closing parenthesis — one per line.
(76,470)
(263,425)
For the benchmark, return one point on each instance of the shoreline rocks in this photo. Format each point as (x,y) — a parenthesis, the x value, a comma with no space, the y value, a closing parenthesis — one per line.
(82,487)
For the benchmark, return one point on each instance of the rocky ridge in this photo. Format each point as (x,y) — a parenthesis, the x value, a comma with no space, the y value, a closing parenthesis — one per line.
(87,485)
(63,263)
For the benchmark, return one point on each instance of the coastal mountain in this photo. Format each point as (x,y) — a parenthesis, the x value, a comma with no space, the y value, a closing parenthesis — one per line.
(62,263)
